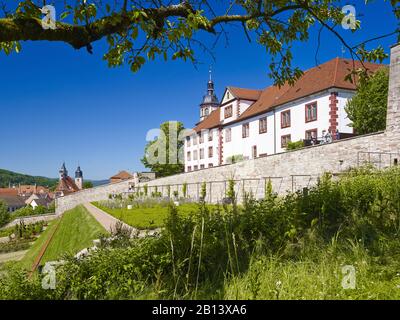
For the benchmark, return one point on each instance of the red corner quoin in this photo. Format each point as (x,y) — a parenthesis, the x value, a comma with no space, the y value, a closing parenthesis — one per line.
(221,146)
(333,113)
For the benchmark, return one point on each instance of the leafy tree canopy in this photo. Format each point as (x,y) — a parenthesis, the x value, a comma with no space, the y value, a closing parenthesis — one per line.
(87,184)
(4,214)
(140,30)
(367,109)
(164,154)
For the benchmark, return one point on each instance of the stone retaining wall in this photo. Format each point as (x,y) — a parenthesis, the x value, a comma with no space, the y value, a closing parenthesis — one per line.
(289,171)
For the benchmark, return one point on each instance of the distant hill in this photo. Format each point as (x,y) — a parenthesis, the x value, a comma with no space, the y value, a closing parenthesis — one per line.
(9,177)
(97,183)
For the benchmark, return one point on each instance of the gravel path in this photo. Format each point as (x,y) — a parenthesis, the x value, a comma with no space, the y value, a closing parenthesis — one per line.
(12,256)
(108,222)
(31,220)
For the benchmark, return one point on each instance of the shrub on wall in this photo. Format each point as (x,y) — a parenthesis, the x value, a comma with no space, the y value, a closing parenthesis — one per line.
(234,159)
(184,190)
(169,191)
(295,145)
(203,191)
(230,193)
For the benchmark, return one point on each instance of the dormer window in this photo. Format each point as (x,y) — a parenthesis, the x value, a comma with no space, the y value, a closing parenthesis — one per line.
(228,111)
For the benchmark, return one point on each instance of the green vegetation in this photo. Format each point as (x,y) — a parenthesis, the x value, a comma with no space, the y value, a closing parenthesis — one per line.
(4,214)
(292,247)
(164,155)
(230,192)
(143,216)
(168,30)
(29,211)
(6,217)
(203,192)
(76,231)
(14,246)
(9,177)
(21,238)
(88,185)
(184,190)
(317,275)
(27,231)
(295,145)
(29,258)
(6,232)
(367,109)
(234,159)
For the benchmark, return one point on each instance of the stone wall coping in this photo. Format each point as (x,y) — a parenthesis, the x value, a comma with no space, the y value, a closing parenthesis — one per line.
(272,155)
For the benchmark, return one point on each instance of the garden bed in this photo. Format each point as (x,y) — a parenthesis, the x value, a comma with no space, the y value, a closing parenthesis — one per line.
(143,215)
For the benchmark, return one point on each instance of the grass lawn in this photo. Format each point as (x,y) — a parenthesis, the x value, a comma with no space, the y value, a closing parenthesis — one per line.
(27,261)
(146,217)
(76,231)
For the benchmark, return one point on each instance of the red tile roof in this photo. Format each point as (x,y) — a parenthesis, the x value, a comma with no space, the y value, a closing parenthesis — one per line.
(67,185)
(210,122)
(123,175)
(32,189)
(245,94)
(328,75)
(9,191)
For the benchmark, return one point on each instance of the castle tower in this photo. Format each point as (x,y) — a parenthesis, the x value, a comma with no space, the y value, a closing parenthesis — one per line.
(63,172)
(210,101)
(79,178)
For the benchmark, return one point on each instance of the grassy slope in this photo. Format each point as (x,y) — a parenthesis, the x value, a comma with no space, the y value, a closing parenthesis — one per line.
(146,218)
(77,231)
(33,251)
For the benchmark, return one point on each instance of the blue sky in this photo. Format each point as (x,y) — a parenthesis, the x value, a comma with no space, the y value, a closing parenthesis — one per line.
(59,104)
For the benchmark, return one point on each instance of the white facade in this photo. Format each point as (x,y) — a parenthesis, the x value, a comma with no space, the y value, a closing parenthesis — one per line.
(249,123)
(258,144)
(201,150)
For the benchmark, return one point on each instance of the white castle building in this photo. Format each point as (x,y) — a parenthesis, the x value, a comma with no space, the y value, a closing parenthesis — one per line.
(249,123)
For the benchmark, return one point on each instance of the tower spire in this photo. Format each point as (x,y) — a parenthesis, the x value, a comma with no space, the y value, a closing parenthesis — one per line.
(210,101)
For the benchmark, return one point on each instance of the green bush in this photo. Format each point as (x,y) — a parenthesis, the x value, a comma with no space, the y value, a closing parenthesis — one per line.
(203,192)
(13,246)
(29,211)
(4,214)
(184,190)
(295,145)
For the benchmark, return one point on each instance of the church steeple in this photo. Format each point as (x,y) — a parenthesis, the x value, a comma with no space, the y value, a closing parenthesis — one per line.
(210,101)
(78,172)
(63,171)
(79,178)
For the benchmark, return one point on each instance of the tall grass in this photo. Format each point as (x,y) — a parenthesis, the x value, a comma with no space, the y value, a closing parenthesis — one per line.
(291,247)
